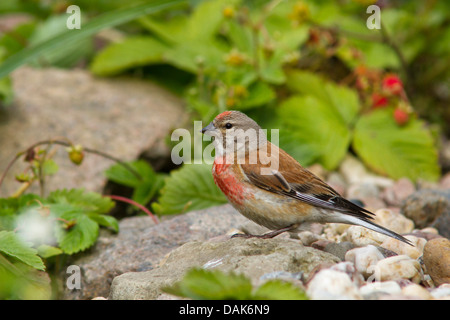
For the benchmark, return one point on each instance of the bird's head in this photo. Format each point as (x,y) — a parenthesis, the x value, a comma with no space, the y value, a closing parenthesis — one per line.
(234,131)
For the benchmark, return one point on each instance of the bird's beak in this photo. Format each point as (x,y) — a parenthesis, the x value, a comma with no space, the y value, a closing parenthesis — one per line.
(209,127)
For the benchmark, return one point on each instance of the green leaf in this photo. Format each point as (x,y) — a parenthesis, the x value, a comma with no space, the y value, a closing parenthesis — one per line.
(189,188)
(191,56)
(65,56)
(11,245)
(88,202)
(69,37)
(279,290)
(119,174)
(343,99)
(105,221)
(206,19)
(312,131)
(10,207)
(396,151)
(204,284)
(49,167)
(132,52)
(201,284)
(80,236)
(259,93)
(6,90)
(46,251)
(146,188)
(79,213)
(169,30)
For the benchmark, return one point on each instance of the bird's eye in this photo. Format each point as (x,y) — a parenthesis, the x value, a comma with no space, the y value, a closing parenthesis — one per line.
(228,125)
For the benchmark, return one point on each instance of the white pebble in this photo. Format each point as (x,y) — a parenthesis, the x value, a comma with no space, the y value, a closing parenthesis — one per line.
(415,290)
(332,285)
(363,258)
(394,221)
(402,248)
(362,236)
(387,287)
(397,267)
(441,292)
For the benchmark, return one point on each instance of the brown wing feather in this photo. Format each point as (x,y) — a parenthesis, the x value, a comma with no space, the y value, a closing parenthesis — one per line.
(303,185)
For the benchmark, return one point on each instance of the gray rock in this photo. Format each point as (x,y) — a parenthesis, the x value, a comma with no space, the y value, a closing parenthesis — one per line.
(140,245)
(253,257)
(339,249)
(123,117)
(429,207)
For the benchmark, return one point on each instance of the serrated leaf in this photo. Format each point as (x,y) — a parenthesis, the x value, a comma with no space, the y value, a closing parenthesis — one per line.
(342,99)
(80,236)
(13,246)
(312,131)
(132,52)
(204,284)
(397,151)
(84,201)
(122,175)
(106,221)
(80,214)
(189,188)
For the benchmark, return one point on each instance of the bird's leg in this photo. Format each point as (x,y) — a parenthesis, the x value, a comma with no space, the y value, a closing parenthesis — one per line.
(267,235)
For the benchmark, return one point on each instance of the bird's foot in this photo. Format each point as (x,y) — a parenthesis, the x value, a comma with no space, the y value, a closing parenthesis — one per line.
(268,235)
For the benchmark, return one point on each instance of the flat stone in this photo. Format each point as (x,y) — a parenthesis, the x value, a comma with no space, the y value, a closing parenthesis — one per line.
(253,257)
(122,117)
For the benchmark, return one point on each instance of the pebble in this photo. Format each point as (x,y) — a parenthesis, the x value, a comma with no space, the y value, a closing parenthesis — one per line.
(339,249)
(445,181)
(349,268)
(362,190)
(355,172)
(424,207)
(330,284)
(415,290)
(402,248)
(441,292)
(436,257)
(361,236)
(394,221)
(308,237)
(375,288)
(397,267)
(398,192)
(337,182)
(363,258)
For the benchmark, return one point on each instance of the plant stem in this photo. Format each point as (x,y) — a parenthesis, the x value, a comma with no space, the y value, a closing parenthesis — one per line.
(388,40)
(68,144)
(134,203)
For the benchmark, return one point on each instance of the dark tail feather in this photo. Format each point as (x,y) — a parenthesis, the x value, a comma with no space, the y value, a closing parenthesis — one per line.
(375,227)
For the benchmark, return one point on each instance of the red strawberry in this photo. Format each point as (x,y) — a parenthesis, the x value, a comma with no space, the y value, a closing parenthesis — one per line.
(392,84)
(401,116)
(378,100)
